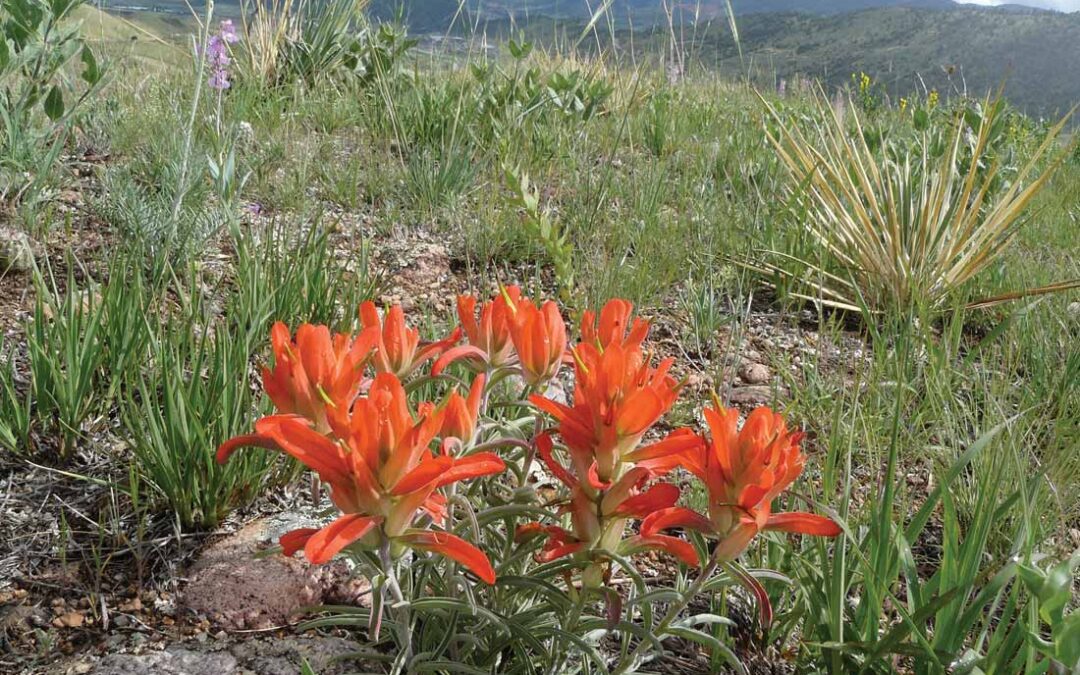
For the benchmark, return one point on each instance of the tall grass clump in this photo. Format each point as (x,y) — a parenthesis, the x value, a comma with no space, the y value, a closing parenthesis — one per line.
(900,224)
(285,274)
(194,393)
(298,40)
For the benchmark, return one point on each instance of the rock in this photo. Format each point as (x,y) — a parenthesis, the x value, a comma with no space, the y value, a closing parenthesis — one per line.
(133,605)
(277,656)
(753,395)
(172,661)
(283,656)
(16,251)
(69,620)
(755,373)
(236,590)
(1074,309)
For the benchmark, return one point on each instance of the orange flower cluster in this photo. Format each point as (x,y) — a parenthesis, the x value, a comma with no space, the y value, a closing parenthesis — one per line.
(371,448)
(743,471)
(618,398)
(386,461)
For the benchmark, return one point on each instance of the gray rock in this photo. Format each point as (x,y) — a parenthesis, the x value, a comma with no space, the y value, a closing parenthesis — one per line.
(172,661)
(753,395)
(755,373)
(16,251)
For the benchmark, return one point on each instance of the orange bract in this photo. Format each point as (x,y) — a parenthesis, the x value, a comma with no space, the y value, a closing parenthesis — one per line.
(461,414)
(399,350)
(743,471)
(489,336)
(539,337)
(316,373)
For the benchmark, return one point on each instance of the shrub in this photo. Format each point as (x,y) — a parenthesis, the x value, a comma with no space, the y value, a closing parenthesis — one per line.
(38,41)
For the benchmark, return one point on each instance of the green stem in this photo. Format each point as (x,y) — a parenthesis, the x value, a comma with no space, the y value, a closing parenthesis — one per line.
(672,613)
(400,606)
(185,158)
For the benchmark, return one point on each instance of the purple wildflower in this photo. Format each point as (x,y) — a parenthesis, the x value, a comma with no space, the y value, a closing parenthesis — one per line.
(228,32)
(217,55)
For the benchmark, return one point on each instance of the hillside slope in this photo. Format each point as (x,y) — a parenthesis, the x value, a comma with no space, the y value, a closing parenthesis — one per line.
(1036,54)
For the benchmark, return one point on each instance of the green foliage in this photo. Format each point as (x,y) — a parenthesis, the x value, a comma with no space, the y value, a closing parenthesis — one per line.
(1053,590)
(702,303)
(66,354)
(15,415)
(439,178)
(554,240)
(192,395)
(934,570)
(289,41)
(38,43)
(282,274)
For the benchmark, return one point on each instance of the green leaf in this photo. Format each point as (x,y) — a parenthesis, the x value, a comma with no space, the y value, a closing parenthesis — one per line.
(54,103)
(92,72)
(714,645)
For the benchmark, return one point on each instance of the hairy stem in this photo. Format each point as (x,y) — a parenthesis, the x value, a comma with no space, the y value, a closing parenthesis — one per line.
(672,614)
(400,607)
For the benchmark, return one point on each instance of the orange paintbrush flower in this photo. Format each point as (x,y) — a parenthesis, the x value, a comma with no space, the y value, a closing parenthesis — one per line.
(488,337)
(316,372)
(382,475)
(599,513)
(460,414)
(539,337)
(743,471)
(399,350)
(612,326)
(618,396)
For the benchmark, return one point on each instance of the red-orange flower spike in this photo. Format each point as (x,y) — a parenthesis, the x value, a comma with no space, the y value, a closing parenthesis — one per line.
(539,337)
(399,350)
(612,326)
(461,414)
(382,474)
(316,372)
(488,337)
(617,398)
(743,471)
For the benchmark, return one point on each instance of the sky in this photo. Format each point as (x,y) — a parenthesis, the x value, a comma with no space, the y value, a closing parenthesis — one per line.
(1060,5)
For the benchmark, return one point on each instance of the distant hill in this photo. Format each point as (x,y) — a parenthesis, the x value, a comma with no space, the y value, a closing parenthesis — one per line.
(1035,53)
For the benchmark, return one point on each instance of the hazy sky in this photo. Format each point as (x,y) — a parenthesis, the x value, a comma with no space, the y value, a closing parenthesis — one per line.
(1060,5)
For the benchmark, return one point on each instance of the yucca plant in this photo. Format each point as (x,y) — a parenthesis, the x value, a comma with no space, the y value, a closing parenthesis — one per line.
(903,226)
